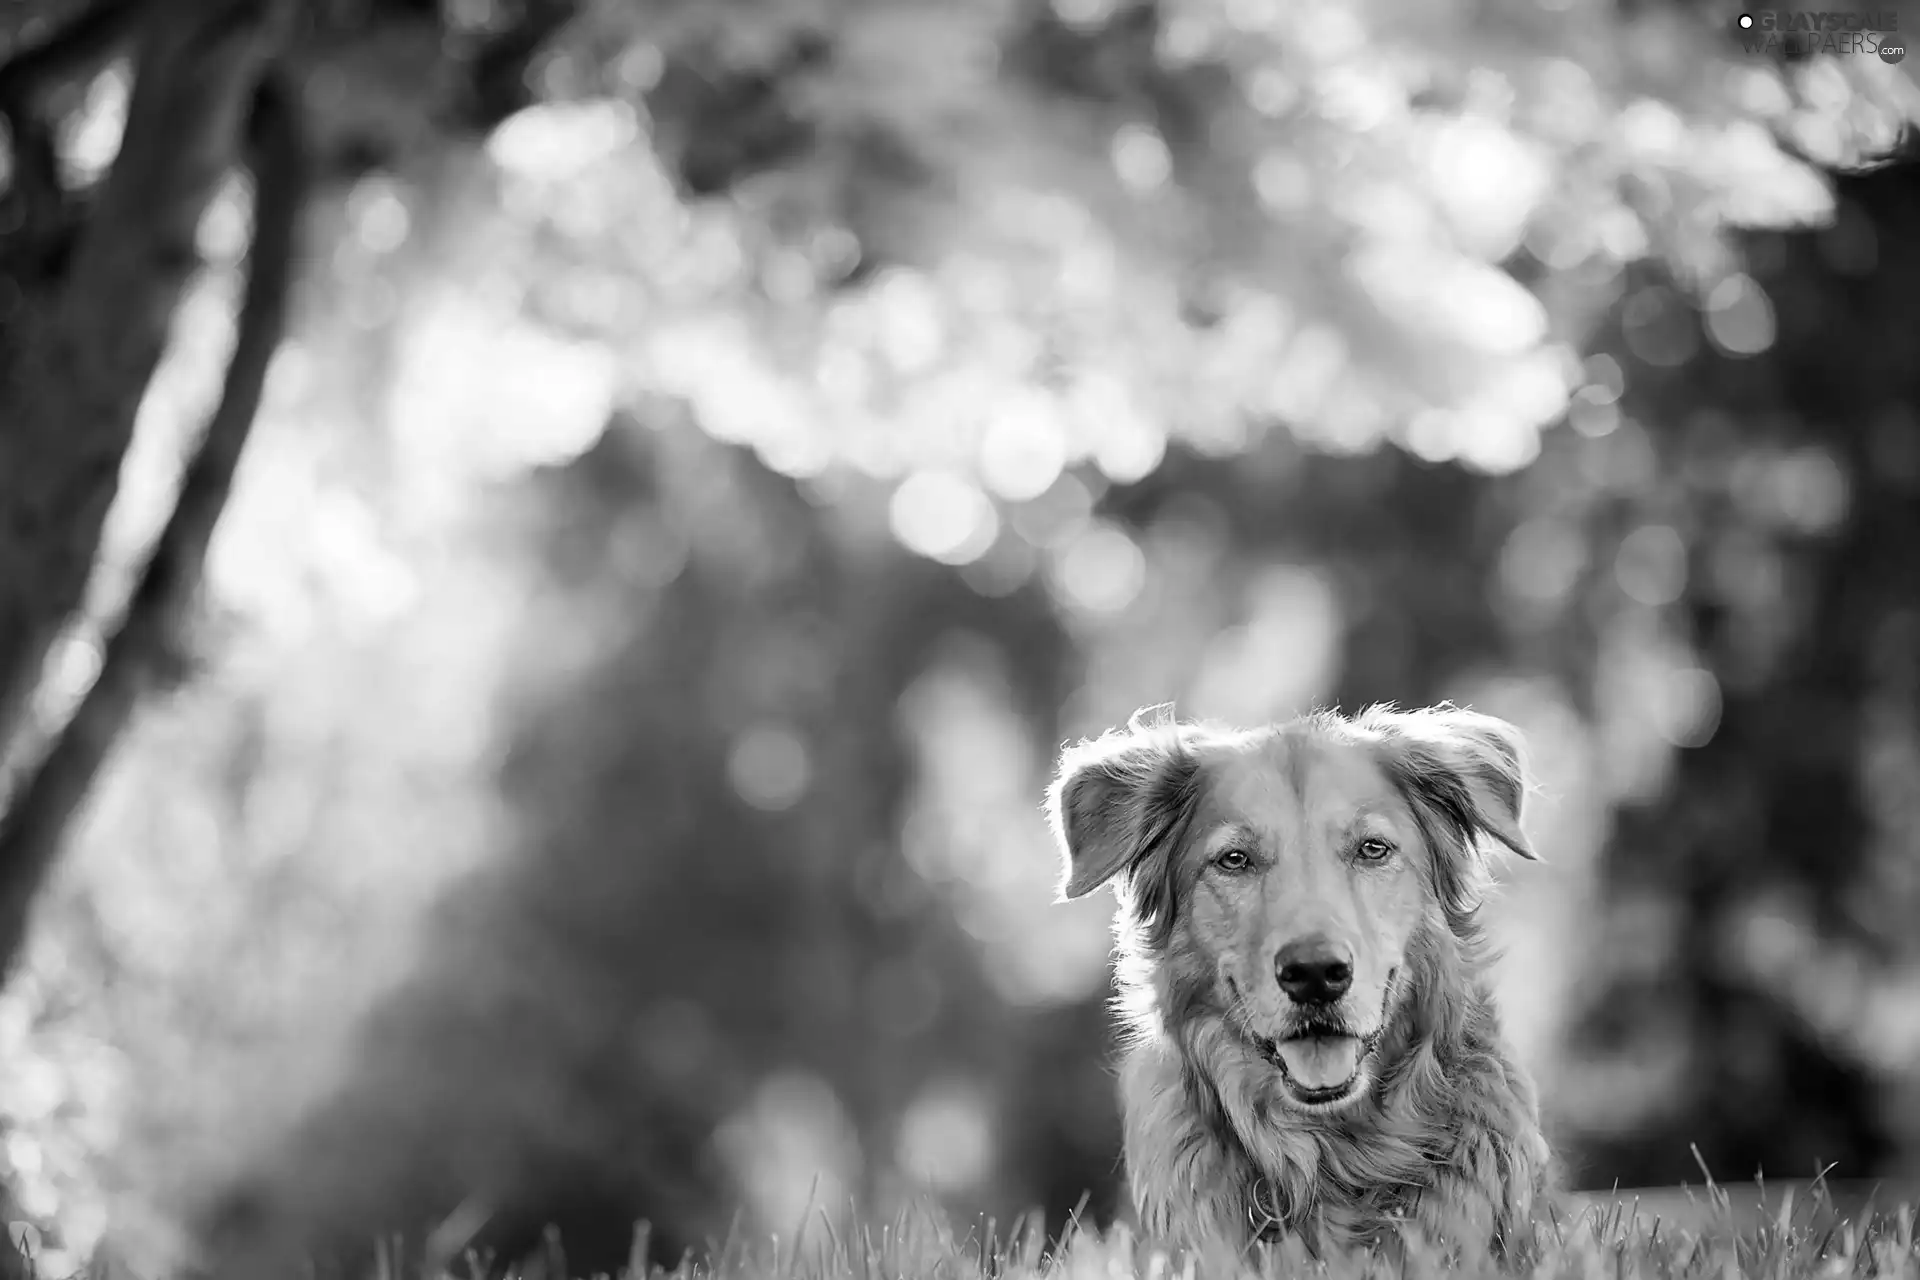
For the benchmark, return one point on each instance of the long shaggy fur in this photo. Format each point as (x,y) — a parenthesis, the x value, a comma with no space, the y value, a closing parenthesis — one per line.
(1446,1149)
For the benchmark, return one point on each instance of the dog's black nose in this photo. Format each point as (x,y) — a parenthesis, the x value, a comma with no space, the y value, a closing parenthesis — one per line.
(1314,970)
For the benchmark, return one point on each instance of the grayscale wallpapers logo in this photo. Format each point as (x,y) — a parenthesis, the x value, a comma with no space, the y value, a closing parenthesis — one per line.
(1804,32)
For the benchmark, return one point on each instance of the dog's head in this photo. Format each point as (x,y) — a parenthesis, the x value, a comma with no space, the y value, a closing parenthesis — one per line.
(1282,877)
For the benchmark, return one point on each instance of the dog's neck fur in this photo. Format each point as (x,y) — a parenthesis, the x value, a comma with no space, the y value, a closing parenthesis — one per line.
(1447,1140)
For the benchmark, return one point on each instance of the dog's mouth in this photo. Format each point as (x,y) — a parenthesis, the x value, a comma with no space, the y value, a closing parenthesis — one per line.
(1322,1061)
(1320,1070)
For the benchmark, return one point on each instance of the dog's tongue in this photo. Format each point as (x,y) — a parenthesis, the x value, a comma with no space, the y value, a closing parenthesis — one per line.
(1321,1062)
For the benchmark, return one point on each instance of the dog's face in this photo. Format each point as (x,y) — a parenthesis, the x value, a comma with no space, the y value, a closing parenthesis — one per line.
(1282,874)
(1306,888)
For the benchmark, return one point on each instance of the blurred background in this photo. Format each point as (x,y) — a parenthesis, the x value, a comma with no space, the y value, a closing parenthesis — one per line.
(726,446)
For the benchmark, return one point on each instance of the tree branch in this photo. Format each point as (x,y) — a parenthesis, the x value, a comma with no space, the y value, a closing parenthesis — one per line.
(32,830)
(76,359)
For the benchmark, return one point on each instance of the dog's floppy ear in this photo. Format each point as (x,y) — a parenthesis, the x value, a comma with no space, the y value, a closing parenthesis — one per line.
(1469,767)
(1117,798)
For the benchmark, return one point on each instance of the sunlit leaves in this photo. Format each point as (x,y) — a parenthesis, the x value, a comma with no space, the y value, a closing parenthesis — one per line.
(1044,227)
(1450,298)
(495,392)
(557,141)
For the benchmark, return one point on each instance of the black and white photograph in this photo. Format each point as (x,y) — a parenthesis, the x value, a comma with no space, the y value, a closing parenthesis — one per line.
(959,640)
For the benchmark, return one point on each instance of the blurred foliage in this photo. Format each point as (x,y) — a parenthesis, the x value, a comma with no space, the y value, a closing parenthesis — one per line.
(686,521)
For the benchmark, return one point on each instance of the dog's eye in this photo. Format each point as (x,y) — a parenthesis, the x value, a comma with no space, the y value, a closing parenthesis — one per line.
(1233,860)
(1373,850)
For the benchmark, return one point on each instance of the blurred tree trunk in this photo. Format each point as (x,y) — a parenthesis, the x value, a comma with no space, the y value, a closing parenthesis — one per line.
(88,324)
(1791,824)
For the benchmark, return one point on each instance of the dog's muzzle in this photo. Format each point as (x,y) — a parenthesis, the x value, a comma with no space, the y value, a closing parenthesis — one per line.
(1322,1060)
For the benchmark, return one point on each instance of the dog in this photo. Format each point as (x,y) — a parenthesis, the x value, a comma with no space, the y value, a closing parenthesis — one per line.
(1314,1052)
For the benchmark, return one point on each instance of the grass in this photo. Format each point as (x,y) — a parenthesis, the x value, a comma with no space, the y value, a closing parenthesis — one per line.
(1801,1238)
